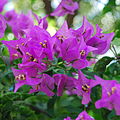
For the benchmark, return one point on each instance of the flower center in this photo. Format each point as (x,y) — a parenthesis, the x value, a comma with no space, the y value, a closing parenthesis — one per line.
(20,77)
(82,52)
(37,87)
(31,58)
(84,32)
(61,37)
(113,89)
(85,88)
(101,36)
(43,44)
(16,55)
(22,44)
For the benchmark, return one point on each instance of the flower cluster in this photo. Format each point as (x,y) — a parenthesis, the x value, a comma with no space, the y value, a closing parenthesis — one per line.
(38,50)
(41,53)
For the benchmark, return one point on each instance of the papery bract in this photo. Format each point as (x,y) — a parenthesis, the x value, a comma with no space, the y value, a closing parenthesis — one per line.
(25,77)
(101,41)
(2,26)
(11,17)
(42,22)
(110,95)
(86,30)
(75,52)
(84,116)
(63,82)
(20,23)
(23,24)
(14,47)
(68,118)
(2,3)
(60,36)
(65,7)
(41,39)
(83,87)
(46,85)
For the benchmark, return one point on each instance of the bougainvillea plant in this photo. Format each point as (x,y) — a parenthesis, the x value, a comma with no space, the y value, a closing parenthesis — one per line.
(54,64)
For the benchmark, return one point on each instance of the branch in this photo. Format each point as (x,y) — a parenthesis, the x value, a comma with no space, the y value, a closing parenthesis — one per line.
(37,110)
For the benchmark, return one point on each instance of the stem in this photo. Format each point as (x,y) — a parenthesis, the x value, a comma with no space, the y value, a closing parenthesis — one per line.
(36,109)
(114,50)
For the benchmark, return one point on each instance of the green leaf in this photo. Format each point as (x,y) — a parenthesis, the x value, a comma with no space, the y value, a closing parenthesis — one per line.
(109,7)
(100,66)
(116,42)
(50,105)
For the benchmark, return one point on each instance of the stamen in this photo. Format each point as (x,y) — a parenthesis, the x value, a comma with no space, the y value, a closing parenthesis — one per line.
(113,90)
(18,49)
(82,52)
(17,46)
(37,87)
(101,36)
(31,58)
(27,53)
(45,41)
(16,55)
(109,94)
(41,43)
(16,77)
(35,60)
(84,32)
(20,77)
(22,43)
(85,88)
(44,45)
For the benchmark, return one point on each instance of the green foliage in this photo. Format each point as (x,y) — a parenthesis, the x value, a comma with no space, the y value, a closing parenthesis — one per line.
(100,66)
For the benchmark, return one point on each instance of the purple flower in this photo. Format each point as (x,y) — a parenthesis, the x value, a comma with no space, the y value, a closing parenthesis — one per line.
(41,39)
(33,64)
(2,26)
(2,3)
(83,87)
(61,35)
(68,118)
(46,85)
(72,47)
(25,77)
(84,116)
(42,23)
(86,30)
(75,52)
(63,82)
(32,58)
(11,17)
(65,7)
(14,47)
(110,95)
(22,24)
(100,41)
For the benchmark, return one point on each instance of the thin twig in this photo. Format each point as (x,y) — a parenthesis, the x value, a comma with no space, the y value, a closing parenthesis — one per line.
(114,50)
(36,109)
